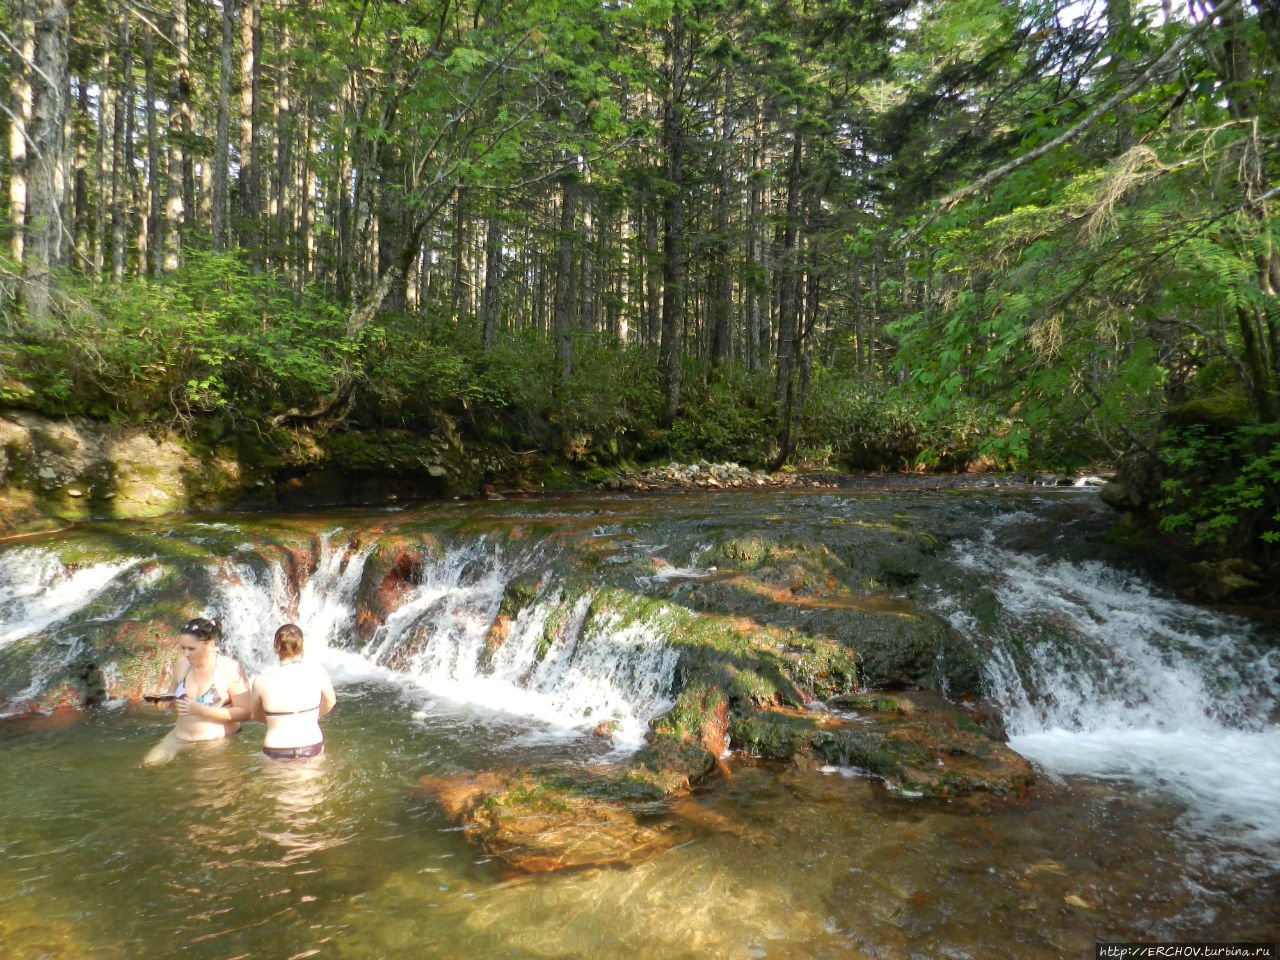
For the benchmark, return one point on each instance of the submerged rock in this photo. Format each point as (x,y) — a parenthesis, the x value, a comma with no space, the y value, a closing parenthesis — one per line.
(547,820)
(558,817)
(917,744)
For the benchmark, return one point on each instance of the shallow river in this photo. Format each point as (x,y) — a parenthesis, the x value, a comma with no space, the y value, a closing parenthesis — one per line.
(223,855)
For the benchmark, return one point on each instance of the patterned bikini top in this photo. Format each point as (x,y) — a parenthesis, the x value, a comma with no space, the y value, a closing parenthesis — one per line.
(211,697)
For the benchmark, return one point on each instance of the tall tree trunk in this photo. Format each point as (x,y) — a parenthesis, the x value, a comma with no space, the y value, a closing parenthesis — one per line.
(281,208)
(83,124)
(1259,331)
(673,253)
(721,280)
(1119,26)
(47,164)
(119,137)
(586,272)
(809,327)
(651,327)
(460,285)
(222,133)
(179,136)
(101,176)
(249,208)
(20,94)
(788,286)
(755,271)
(491,300)
(562,318)
(310,196)
(151,247)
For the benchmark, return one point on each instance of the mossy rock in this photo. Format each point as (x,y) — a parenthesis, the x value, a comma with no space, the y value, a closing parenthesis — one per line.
(776,734)
(927,749)
(874,702)
(550,820)
(1226,409)
(919,651)
(917,750)
(557,817)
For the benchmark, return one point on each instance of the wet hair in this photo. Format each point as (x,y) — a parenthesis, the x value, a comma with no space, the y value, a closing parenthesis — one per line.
(289,641)
(202,629)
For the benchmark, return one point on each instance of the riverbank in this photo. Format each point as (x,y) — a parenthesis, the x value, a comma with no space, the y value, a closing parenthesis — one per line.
(54,472)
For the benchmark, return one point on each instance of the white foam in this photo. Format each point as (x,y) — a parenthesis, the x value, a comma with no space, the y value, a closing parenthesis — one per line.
(1099,675)
(37,590)
(1225,777)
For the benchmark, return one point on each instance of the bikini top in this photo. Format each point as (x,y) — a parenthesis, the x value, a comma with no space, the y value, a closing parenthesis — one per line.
(210,697)
(289,713)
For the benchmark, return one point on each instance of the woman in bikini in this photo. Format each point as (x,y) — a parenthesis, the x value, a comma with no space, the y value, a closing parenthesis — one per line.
(291,698)
(209,691)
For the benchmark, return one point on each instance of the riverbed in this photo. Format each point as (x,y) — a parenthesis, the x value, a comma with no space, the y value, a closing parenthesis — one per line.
(1134,831)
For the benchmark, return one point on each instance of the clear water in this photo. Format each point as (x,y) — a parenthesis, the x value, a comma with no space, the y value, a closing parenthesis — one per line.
(1147,824)
(225,855)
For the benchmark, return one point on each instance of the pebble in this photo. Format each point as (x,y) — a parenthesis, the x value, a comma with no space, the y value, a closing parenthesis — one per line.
(711,476)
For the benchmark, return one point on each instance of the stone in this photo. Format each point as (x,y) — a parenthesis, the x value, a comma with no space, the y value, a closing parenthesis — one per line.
(1226,579)
(550,820)
(918,744)
(437,471)
(1138,483)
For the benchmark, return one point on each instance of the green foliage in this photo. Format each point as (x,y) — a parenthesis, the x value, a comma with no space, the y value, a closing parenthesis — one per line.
(214,339)
(1224,485)
(731,418)
(869,425)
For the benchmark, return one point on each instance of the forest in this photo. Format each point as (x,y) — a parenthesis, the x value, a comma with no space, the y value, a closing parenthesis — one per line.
(822,233)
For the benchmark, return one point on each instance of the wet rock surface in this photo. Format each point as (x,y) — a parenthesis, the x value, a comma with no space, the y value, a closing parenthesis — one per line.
(52,471)
(769,614)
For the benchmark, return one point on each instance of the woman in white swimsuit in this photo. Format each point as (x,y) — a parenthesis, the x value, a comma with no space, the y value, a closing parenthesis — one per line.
(209,691)
(291,698)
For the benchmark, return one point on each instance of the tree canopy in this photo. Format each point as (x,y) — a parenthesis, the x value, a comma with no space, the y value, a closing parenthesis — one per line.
(875,232)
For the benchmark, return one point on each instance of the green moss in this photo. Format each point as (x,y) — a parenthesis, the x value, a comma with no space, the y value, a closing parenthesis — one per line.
(519,593)
(1226,409)
(696,709)
(773,734)
(877,703)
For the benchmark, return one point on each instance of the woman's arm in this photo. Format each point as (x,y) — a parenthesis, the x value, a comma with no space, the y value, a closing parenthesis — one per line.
(241,708)
(257,710)
(327,697)
(176,673)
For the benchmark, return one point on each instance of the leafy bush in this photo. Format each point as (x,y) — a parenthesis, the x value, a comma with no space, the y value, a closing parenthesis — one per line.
(868,425)
(730,419)
(214,339)
(1225,485)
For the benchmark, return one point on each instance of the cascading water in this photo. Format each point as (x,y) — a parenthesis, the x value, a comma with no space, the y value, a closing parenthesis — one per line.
(37,590)
(1100,676)
(558,663)
(253,597)
(584,670)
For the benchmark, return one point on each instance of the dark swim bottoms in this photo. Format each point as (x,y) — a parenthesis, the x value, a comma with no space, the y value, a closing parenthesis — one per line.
(294,753)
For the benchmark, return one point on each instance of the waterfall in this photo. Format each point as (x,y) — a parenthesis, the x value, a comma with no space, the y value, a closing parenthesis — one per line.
(556,661)
(597,669)
(1099,675)
(38,591)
